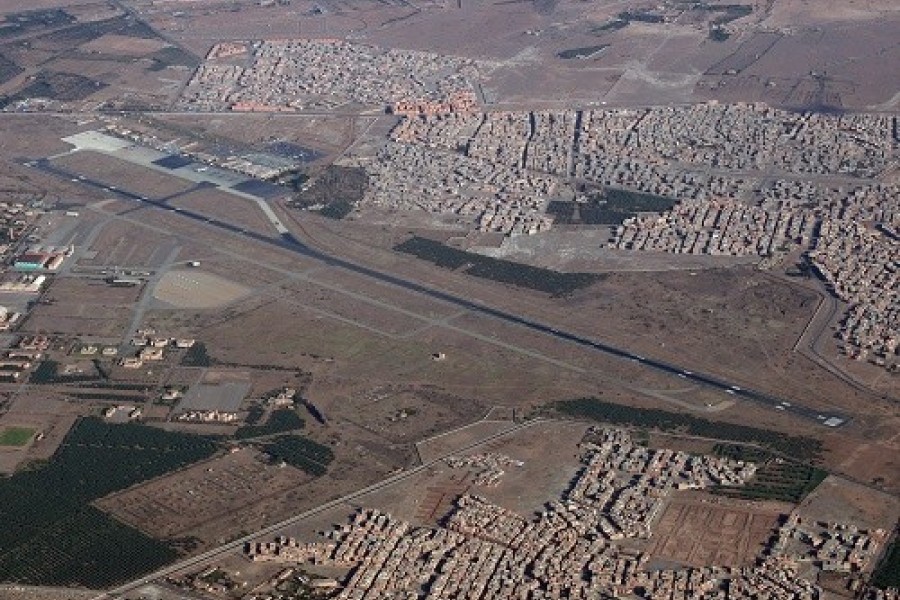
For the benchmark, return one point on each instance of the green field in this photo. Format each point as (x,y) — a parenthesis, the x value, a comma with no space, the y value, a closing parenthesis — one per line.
(16,436)
(51,535)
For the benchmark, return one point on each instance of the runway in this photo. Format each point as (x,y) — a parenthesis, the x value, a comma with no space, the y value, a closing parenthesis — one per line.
(290,242)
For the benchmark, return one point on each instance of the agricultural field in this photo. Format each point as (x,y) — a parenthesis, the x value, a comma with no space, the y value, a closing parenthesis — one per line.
(776,478)
(51,529)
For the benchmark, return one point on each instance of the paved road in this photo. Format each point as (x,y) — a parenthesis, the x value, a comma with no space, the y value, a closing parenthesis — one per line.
(288,241)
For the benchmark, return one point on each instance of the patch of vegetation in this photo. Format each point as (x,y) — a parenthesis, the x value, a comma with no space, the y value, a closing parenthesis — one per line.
(254,414)
(437,253)
(585,52)
(197,356)
(8,69)
(717,34)
(86,548)
(23,22)
(614,25)
(81,33)
(294,179)
(640,17)
(64,87)
(775,478)
(172,56)
(52,536)
(280,421)
(740,452)
(45,372)
(15,436)
(799,448)
(300,452)
(608,207)
(887,573)
(551,282)
(337,190)
(337,210)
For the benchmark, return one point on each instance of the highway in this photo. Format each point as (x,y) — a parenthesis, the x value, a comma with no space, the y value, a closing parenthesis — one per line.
(288,241)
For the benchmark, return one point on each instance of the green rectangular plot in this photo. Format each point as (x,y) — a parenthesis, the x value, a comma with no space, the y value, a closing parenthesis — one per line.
(16,436)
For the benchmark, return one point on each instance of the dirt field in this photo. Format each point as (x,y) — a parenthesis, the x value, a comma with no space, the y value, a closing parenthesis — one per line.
(364,311)
(120,246)
(839,500)
(121,173)
(551,456)
(698,529)
(196,289)
(228,207)
(404,414)
(439,445)
(85,307)
(188,502)
(123,45)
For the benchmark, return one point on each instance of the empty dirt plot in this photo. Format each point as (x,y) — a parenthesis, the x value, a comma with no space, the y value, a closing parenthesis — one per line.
(176,504)
(120,245)
(390,294)
(363,311)
(406,413)
(123,45)
(550,455)
(90,307)
(317,133)
(698,529)
(120,173)
(747,54)
(445,443)
(188,288)
(842,501)
(439,498)
(227,207)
